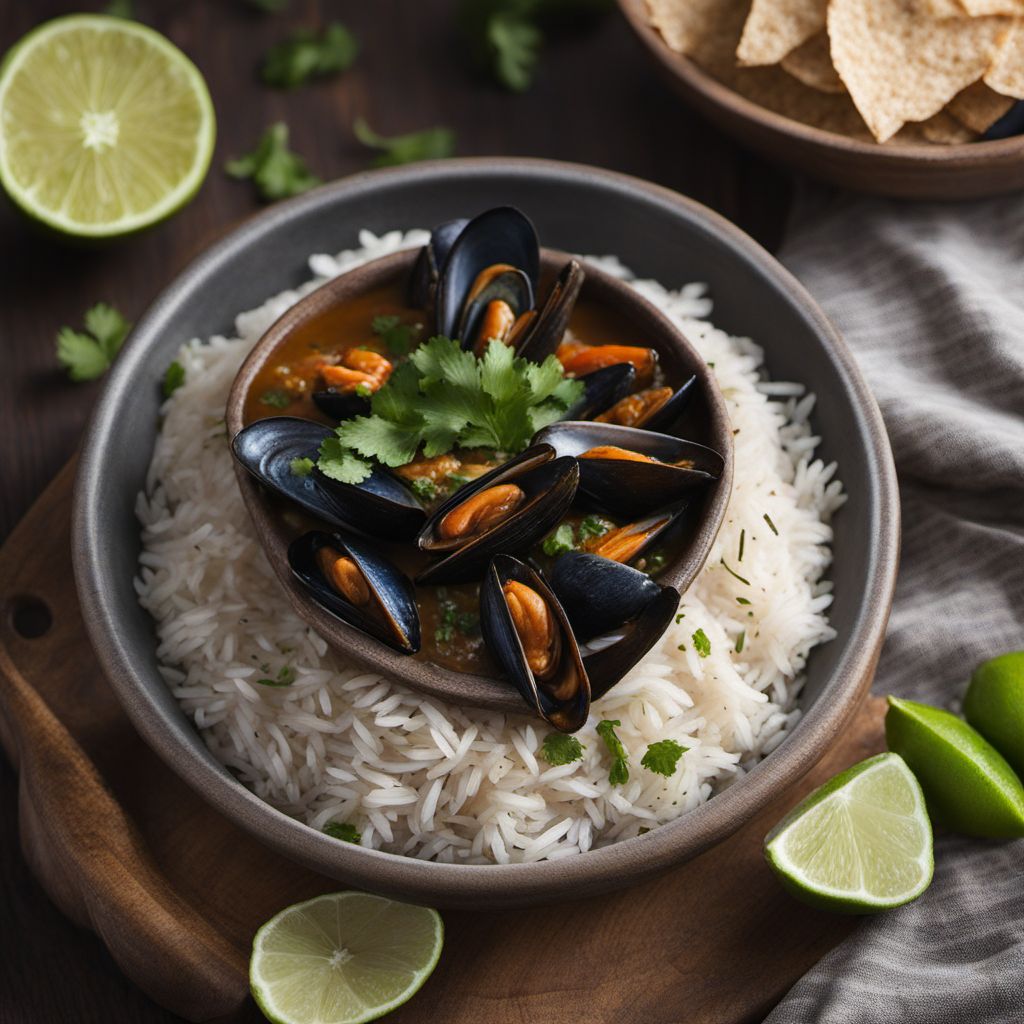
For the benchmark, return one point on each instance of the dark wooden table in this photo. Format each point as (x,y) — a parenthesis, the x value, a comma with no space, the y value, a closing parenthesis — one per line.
(596,100)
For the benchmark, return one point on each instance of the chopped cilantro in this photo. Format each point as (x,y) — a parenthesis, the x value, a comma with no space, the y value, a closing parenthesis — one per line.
(742,600)
(558,748)
(655,563)
(307,54)
(276,398)
(643,830)
(735,574)
(743,537)
(275,170)
(593,526)
(679,617)
(560,541)
(343,830)
(740,640)
(618,774)
(301,467)
(681,647)
(663,757)
(174,377)
(455,481)
(701,643)
(771,525)
(429,144)
(444,396)
(451,620)
(284,677)
(424,488)
(398,337)
(87,354)
(363,390)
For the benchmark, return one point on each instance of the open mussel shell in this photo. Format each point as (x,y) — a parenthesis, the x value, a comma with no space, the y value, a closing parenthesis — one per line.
(380,505)
(548,486)
(632,541)
(542,336)
(648,409)
(341,405)
(502,283)
(560,693)
(601,390)
(385,605)
(502,235)
(427,269)
(673,467)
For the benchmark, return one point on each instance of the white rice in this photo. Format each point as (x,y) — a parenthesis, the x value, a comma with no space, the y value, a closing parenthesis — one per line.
(453,784)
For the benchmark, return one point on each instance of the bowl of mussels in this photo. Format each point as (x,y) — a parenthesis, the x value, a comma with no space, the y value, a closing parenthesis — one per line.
(530,565)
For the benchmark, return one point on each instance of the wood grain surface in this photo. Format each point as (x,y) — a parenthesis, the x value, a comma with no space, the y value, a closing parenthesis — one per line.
(176,891)
(597,100)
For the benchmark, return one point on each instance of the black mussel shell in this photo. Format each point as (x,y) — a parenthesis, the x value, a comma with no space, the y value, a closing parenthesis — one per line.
(567,712)
(381,505)
(341,405)
(511,286)
(431,258)
(601,390)
(543,335)
(549,485)
(599,595)
(607,666)
(501,235)
(392,617)
(662,419)
(629,487)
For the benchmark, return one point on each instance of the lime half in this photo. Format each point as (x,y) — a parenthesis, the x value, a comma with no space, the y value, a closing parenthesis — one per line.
(860,843)
(343,958)
(105,126)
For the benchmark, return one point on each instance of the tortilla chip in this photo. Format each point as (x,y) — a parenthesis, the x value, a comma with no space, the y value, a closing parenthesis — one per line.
(942,129)
(1007,72)
(979,107)
(940,8)
(980,8)
(899,67)
(776,27)
(697,28)
(811,63)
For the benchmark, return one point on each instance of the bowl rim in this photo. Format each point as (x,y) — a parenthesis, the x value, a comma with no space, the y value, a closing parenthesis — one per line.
(478,886)
(433,680)
(697,80)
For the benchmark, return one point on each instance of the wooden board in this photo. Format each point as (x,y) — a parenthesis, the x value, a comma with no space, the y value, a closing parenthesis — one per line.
(176,891)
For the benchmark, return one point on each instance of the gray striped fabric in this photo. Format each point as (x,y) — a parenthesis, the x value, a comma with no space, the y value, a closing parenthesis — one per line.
(931,300)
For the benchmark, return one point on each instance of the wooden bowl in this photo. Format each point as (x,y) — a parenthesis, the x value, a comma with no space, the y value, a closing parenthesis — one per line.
(967,171)
(707,414)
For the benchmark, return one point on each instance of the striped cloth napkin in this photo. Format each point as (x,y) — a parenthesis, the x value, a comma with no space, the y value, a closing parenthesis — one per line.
(930,299)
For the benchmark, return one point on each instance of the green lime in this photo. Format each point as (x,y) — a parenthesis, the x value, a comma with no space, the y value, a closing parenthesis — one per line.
(343,958)
(107,127)
(968,784)
(994,705)
(860,843)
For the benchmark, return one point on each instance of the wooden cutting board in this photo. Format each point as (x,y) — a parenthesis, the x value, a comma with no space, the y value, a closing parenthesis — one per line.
(176,891)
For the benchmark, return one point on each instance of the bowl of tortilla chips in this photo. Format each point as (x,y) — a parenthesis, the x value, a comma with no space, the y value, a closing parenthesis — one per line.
(920,99)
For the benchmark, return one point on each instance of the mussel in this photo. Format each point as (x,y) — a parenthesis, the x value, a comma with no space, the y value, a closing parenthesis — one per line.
(349,384)
(601,597)
(541,334)
(631,541)
(507,509)
(653,408)
(270,449)
(630,470)
(354,582)
(579,358)
(431,258)
(602,389)
(528,633)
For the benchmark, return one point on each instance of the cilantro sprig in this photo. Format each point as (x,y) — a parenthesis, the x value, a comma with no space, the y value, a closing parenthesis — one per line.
(559,748)
(436,143)
(663,757)
(275,170)
(88,354)
(618,774)
(307,54)
(343,830)
(443,397)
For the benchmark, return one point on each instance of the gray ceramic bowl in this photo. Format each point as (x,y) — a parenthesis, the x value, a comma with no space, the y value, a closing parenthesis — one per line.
(659,234)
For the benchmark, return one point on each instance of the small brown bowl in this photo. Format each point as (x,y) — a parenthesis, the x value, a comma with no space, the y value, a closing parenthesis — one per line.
(707,422)
(967,171)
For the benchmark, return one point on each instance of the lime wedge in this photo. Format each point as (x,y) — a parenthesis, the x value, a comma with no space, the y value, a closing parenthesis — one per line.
(994,705)
(969,786)
(106,126)
(860,843)
(342,958)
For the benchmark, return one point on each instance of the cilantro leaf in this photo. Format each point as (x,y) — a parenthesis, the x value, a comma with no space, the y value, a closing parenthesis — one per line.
(275,170)
(618,774)
(560,541)
(309,54)
(394,444)
(442,359)
(424,488)
(344,831)
(663,757)
(496,377)
(174,377)
(88,355)
(558,749)
(701,643)
(515,44)
(340,463)
(284,677)
(436,143)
